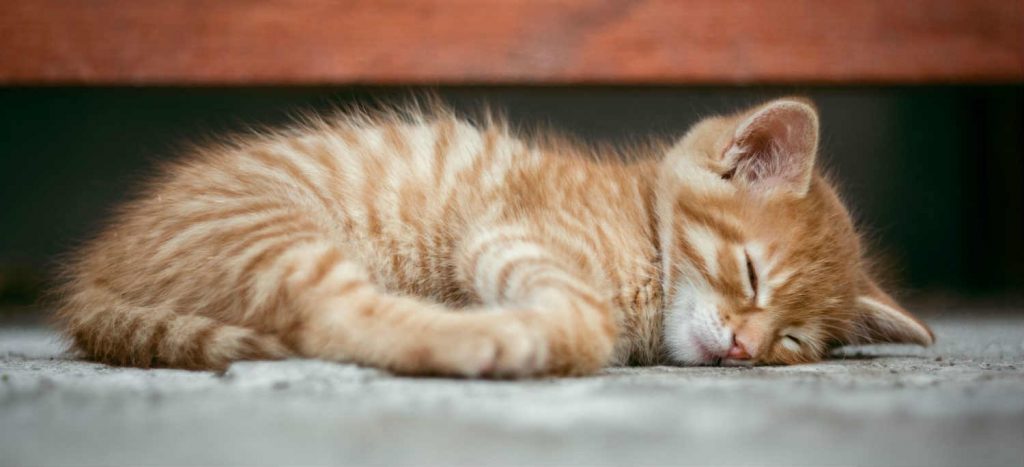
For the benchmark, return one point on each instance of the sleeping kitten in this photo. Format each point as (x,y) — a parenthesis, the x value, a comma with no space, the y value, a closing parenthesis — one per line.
(424,244)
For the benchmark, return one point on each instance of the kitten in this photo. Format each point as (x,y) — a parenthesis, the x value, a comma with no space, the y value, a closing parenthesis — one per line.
(424,244)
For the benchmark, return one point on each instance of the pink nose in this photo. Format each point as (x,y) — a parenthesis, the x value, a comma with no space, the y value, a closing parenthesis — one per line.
(738,351)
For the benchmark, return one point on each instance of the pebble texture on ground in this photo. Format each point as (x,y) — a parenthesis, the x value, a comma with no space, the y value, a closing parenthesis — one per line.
(960,403)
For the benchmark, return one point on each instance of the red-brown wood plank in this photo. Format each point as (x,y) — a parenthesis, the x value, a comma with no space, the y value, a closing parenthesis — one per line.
(510,41)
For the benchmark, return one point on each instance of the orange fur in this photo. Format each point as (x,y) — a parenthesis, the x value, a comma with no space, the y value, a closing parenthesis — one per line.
(424,244)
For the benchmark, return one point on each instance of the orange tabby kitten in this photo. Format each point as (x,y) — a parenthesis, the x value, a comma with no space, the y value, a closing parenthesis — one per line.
(425,244)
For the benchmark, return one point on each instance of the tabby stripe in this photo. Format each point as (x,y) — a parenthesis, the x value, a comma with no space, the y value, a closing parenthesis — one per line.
(730,277)
(195,353)
(156,339)
(397,263)
(577,230)
(426,266)
(699,244)
(328,161)
(506,271)
(556,239)
(486,271)
(268,255)
(564,282)
(277,298)
(171,344)
(239,235)
(462,177)
(443,245)
(177,341)
(166,242)
(370,306)
(239,245)
(277,161)
(471,175)
(373,226)
(442,142)
(175,222)
(352,286)
(356,156)
(410,198)
(367,141)
(138,328)
(499,164)
(355,159)
(483,243)
(288,222)
(223,191)
(725,229)
(605,240)
(238,242)
(324,265)
(396,142)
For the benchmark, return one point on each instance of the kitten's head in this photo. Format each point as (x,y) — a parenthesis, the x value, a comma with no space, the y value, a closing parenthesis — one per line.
(761,260)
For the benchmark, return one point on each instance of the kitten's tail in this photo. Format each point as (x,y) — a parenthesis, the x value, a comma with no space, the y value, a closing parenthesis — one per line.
(105,329)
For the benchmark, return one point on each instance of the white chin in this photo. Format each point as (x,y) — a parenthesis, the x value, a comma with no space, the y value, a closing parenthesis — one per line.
(685,353)
(693,333)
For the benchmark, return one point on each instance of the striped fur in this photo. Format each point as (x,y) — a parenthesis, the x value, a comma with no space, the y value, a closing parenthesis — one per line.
(424,244)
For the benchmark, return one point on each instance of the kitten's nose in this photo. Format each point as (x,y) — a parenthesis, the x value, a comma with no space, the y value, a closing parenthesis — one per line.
(738,351)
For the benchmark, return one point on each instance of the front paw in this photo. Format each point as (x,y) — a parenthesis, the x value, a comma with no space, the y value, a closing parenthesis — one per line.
(486,347)
(517,351)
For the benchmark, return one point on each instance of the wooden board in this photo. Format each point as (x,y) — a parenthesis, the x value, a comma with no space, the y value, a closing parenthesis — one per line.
(209,42)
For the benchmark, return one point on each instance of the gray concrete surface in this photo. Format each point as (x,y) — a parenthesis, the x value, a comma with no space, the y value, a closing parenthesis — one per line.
(960,403)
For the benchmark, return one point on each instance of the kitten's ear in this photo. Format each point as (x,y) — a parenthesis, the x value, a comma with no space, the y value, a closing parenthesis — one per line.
(774,146)
(882,320)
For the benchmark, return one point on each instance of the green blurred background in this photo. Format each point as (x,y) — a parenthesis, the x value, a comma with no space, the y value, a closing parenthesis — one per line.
(933,174)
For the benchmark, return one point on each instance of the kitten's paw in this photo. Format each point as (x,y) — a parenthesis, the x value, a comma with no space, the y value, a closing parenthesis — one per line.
(518,351)
(504,350)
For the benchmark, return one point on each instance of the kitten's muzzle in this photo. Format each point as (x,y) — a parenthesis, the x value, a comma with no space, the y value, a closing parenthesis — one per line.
(738,351)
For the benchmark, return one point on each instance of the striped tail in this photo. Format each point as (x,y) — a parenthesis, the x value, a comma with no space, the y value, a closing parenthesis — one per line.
(121,334)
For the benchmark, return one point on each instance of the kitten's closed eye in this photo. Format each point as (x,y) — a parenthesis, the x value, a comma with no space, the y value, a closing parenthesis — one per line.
(791,343)
(751,277)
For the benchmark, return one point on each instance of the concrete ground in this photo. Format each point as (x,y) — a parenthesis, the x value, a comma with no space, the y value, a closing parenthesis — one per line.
(960,403)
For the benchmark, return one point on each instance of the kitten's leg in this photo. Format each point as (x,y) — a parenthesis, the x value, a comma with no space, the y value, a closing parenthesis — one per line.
(546,286)
(338,313)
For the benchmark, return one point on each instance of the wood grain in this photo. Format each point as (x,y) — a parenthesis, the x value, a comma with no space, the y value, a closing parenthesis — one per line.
(132,42)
